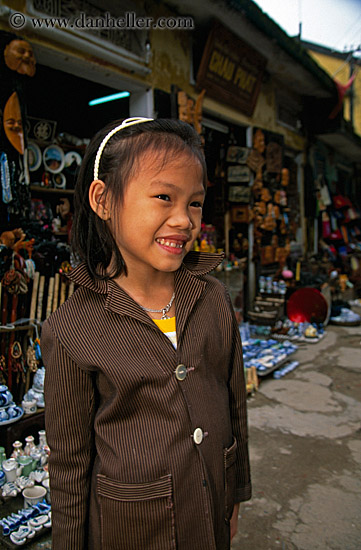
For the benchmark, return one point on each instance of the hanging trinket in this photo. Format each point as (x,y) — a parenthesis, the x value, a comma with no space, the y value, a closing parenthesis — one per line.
(5,179)
(17,366)
(31,359)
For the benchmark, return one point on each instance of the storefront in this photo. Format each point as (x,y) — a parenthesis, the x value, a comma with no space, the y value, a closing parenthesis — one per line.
(228,82)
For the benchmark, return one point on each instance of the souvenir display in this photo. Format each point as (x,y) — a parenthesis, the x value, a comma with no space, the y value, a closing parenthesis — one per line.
(25,474)
(18,64)
(265,355)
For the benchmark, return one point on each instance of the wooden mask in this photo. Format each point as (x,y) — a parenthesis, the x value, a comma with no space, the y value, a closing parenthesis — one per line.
(285,177)
(19,57)
(12,122)
(259,141)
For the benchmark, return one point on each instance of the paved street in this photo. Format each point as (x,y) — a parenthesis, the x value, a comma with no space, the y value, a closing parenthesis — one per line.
(305,446)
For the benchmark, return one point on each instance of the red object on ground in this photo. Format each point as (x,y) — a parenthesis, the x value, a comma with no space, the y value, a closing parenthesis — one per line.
(307,305)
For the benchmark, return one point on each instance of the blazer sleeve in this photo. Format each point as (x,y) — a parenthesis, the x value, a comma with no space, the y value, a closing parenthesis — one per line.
(69,418)
(238,401)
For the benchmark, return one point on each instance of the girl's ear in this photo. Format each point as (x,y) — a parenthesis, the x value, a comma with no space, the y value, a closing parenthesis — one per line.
(99,200)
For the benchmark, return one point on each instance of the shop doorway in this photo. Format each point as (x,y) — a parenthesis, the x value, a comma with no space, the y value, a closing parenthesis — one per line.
(64,98)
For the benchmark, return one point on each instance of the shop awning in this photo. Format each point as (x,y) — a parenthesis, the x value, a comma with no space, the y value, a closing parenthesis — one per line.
(343,142)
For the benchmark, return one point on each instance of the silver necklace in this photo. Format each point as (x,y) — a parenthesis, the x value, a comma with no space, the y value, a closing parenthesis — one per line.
(164,310)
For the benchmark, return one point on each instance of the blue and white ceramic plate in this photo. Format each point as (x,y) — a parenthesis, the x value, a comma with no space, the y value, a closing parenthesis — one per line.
(34,156)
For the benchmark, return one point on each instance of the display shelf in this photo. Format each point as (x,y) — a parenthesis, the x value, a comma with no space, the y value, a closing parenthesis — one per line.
(267,355)
(41,189)
(11,420)
(13,328)
(271,297)
(17,325)
(275,367)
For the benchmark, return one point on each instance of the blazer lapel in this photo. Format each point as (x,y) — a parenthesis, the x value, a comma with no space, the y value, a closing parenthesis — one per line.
(121,303)
(188,290)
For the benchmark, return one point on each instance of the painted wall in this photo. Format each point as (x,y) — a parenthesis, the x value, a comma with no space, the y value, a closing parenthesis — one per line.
(338,69)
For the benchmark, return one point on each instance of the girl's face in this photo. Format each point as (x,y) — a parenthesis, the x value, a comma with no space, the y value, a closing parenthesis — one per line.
(160,216)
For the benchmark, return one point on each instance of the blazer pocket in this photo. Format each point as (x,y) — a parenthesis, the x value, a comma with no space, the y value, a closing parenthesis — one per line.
(229,459)
(136,515)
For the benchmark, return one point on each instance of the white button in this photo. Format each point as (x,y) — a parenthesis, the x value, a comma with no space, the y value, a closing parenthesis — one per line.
(181,372)
(198,436)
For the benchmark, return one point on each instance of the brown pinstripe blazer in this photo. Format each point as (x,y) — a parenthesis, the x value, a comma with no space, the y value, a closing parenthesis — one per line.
(125,470)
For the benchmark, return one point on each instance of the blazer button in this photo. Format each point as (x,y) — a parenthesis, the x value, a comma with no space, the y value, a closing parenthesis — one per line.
(181,372)
(198,436)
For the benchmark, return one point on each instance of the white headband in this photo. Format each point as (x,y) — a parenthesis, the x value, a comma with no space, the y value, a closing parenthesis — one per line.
(124,124)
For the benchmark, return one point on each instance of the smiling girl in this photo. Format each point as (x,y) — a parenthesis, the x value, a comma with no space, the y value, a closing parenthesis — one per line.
(145,393)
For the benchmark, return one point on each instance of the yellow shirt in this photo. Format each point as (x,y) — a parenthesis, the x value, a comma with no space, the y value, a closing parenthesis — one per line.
(167,326)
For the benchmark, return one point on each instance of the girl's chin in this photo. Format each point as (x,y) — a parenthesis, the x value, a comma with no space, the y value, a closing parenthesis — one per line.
(170,264)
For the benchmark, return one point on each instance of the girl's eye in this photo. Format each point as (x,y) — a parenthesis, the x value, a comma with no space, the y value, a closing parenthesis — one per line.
(197,204)
(163,197)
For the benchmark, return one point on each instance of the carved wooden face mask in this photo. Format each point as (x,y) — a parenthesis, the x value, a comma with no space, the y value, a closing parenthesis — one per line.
(259,141)
(13,123)
(19,57)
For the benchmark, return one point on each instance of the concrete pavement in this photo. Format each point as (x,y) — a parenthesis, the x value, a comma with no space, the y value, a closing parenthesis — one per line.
(305,448)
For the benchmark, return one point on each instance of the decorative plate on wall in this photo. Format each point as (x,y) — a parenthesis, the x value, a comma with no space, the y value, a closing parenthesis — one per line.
(72,157)
(34,156)
(59,181)
(53,158)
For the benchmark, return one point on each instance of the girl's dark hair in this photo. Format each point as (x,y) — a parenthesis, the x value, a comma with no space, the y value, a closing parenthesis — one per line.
(91,239)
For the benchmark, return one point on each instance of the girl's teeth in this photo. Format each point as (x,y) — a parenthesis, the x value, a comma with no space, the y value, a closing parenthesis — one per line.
(171,244)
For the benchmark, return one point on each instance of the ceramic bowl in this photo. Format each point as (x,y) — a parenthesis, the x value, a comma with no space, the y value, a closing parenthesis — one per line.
(33,495)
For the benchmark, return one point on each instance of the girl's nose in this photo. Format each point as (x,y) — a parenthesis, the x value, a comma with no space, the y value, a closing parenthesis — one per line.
(181,218)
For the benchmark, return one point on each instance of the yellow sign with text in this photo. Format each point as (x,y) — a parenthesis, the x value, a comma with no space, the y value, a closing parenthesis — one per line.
(231,70)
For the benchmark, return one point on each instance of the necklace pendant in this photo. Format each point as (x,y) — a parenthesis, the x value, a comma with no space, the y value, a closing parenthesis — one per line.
(163,311)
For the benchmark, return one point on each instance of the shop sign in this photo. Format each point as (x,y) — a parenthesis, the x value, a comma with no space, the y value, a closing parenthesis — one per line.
(231,71)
